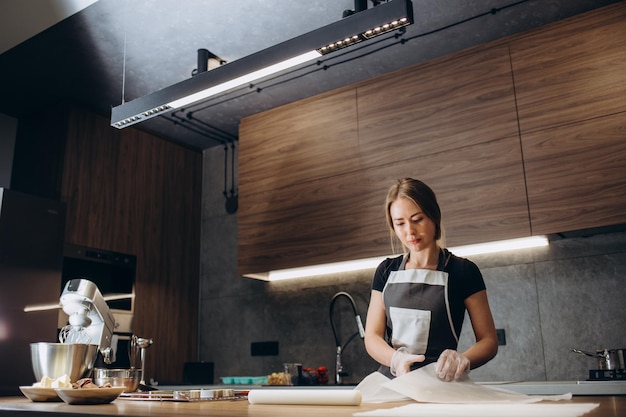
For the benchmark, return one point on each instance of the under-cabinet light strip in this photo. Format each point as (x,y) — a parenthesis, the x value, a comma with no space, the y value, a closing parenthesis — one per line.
(501,246)
(371,263)
(54,306)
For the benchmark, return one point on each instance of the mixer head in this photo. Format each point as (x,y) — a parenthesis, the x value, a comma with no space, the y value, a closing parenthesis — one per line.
(90,320)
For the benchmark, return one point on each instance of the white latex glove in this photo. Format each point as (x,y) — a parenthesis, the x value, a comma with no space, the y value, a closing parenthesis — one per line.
(402,360)
(452,365)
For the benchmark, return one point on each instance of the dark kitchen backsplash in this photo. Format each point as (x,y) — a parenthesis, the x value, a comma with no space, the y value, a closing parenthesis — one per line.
(537,297)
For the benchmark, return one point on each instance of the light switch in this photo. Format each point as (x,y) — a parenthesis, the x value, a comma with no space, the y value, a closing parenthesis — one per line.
(501,337)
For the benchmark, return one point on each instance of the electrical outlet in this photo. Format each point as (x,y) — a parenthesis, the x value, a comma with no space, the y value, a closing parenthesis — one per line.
(264,348)
(501,337)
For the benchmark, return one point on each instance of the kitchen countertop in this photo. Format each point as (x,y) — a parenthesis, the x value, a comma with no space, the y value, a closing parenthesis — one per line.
(615,387)
(610,406)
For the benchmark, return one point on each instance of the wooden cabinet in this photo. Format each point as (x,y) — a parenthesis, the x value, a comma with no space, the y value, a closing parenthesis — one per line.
(131,192)
(288,158)
(570,82)
(314,174)
(450,103)
(480,189)
(310,139)
(571,71)
(451,123)
(576,175)
(521,136)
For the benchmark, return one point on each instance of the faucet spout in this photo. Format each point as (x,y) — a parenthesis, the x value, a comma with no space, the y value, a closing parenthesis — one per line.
(340,372)
(338,368)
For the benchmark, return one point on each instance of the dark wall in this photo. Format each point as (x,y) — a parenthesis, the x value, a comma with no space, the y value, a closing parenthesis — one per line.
(39,153)
(31,248)
(8,128)
(131,192)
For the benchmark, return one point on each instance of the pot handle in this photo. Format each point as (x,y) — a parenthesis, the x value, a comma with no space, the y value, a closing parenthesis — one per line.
(582,352)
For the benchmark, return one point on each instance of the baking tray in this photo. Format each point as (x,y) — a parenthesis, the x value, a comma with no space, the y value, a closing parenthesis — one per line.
(186,395)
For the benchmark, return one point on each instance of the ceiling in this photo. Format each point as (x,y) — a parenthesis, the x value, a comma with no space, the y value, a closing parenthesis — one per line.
(114,51)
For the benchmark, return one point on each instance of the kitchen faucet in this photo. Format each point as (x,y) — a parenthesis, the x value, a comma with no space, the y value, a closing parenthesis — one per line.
(339,369)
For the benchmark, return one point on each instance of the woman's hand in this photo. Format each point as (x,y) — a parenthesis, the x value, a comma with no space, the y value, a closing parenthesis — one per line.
(402,360)
(452,365)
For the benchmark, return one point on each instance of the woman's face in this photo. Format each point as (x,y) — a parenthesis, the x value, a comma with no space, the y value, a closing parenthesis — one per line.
(415,230)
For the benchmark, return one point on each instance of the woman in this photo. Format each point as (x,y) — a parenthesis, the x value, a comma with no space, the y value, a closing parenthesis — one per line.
(418,299)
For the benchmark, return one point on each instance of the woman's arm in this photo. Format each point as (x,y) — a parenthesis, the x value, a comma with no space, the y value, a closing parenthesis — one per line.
(452,364)
(486,345)
(375,325)
(399,361)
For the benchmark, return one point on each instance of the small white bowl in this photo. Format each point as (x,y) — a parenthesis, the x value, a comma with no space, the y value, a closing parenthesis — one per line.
(89,395)
(39,394)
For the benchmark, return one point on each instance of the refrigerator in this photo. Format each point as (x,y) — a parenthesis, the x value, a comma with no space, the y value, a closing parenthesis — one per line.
(31,258)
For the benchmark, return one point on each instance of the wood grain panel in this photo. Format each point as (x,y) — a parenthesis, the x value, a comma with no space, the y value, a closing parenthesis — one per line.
(572,70)
(456,101)
(297,174)
(343,219)
(452,122)
(285,145)
(131,192)
(587,186)
(480,189)
(309,223)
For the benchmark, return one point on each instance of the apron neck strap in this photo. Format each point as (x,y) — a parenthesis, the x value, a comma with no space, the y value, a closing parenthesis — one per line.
(442,262)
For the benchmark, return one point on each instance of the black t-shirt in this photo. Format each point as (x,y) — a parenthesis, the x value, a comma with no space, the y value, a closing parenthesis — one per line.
(464,280)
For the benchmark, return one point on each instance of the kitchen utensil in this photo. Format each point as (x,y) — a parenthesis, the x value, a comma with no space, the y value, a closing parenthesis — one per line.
(294,370)
(186,395)
(137,347)
(305,396)
(217,393)
(54,360)
(127,378)
(608,359)
(74,334)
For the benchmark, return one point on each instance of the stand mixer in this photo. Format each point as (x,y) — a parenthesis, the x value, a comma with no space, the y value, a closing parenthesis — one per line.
(90,320)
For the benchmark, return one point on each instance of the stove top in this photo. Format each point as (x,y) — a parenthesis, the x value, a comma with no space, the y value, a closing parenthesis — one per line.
(607,375)
(596,387)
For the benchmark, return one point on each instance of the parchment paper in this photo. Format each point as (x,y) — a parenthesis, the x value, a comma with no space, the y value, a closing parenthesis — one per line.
(424,385)
(551,409)
(373,390)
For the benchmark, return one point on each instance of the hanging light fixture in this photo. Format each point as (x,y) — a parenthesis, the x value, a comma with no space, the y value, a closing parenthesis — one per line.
(353,29)
(207,61)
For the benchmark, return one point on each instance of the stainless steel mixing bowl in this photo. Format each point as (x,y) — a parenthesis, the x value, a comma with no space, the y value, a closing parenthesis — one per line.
(128,378)
(54,360)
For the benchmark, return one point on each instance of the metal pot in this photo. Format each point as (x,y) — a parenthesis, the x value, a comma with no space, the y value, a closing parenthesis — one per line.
(608,359)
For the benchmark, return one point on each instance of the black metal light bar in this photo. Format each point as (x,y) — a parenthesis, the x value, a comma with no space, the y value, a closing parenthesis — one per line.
(353,29)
